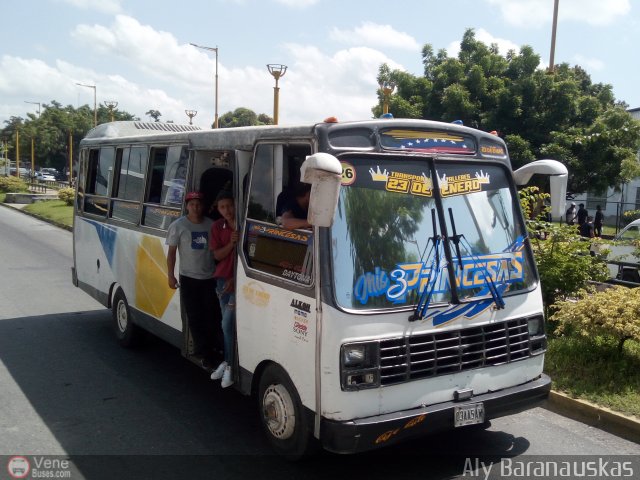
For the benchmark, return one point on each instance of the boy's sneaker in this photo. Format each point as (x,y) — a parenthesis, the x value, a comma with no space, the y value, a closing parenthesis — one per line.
(226,377)
(219,372)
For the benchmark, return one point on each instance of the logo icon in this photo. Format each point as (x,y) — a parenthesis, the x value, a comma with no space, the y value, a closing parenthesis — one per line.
(18,467)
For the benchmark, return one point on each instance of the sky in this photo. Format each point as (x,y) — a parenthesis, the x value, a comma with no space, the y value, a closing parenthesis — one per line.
(138,53)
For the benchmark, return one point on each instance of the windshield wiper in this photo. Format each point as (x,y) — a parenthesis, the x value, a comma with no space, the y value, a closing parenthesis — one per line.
(425,296)
(491,285)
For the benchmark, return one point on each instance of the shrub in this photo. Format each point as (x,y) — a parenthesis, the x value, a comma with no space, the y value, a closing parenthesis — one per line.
(564,262)
(629,216)
(12,184)
(67,195)
(611,313)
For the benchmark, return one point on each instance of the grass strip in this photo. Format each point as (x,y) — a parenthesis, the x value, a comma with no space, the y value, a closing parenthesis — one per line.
(54,210)
(593,369)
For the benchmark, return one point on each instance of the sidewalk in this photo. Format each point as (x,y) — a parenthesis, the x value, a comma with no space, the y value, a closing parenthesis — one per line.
(600,417)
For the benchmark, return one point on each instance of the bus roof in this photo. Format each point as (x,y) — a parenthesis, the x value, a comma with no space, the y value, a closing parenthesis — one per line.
(244,138)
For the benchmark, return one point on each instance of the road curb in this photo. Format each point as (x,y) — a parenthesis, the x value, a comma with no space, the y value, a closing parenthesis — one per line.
(600,417)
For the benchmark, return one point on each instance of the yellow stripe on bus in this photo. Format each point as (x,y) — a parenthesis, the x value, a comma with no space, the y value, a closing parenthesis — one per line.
(152,291)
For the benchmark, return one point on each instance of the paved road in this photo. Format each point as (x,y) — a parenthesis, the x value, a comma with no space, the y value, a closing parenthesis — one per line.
(66,388)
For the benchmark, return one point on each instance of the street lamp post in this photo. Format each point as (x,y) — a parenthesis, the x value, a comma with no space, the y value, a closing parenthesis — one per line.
(111,105)
(387,88)
(553,37)
(191,114)
(34,103)
(95,104)
(213,49)
(276,70)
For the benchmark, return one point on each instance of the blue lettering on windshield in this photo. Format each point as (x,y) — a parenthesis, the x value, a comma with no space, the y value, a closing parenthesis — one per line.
(503,268)
(371,285)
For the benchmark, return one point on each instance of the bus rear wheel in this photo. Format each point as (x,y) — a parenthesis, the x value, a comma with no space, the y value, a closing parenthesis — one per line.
(127,333)
(282,415)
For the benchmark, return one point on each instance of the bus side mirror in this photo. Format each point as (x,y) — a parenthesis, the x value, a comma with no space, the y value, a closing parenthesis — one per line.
(324,173)
(558,175)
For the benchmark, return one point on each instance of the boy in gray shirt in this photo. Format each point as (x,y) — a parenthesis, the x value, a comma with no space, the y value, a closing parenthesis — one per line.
(189,237)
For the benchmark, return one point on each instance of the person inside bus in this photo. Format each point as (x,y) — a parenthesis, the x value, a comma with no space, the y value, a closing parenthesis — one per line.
(292,207)
(224,238)
(189,237)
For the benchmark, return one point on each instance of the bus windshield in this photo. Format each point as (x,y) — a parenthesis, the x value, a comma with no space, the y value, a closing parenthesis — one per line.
(388,244)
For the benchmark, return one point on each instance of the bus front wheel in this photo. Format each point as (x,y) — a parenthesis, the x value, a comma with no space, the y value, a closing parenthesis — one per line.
(282,415)
(128,334)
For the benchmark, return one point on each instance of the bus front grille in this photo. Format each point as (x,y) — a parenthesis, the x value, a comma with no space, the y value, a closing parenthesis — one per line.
(430,355)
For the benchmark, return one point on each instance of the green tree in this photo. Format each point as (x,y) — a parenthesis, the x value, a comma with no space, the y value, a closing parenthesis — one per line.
(52,131)
(155,114)
(560,115)
(243,117)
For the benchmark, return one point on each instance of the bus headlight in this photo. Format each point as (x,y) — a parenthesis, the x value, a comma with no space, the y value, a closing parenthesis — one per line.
(359,366)
(535,326)
(537,338)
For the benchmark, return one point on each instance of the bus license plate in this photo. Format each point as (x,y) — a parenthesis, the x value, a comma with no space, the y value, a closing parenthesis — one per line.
(468,414)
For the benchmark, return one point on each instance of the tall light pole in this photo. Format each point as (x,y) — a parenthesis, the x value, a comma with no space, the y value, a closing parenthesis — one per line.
(276,70)
(35,103)
(553,37)
(95,104)
(387,88)
(213,49)
(17,152)
(191,114)
(111,105)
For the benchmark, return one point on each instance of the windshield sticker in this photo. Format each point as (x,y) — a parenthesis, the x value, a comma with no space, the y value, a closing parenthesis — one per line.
(427,141)
(502,268)
(461,184)
(403,182)
(423,185)
(348,174)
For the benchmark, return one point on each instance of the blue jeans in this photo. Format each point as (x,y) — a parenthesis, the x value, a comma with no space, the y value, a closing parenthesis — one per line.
(228,308)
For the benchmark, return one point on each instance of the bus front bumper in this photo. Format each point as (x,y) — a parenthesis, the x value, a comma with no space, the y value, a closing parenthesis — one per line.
(383,430)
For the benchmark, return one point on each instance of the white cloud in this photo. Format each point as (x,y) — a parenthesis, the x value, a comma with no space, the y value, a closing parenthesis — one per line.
(172,77)
(104,6)
(319,85)
(537,13)
(375,35)
(485,37)
(588,63)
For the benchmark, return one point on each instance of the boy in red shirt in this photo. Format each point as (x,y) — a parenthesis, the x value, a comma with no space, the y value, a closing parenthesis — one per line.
(224,238)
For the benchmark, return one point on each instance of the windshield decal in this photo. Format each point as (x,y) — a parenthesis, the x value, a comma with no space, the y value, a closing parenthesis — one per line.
(403,182)
(461,184)
(422,185)
(466,310)
(411,279)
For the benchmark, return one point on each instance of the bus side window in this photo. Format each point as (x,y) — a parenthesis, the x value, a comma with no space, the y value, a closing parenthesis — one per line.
(267,247)
(129,189)
(166,178)
(100,174)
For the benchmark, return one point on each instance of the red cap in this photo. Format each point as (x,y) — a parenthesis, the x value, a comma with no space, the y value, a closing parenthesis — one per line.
(193,196)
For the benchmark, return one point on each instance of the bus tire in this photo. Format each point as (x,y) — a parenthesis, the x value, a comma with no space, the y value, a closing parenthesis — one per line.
(128,334)
(282,415)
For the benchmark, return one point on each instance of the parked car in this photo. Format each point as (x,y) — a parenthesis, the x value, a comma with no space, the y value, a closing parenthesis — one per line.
(623,252)
(43,176)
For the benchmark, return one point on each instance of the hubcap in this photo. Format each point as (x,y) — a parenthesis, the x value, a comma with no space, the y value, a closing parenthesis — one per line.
(278,412)
(123,320)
